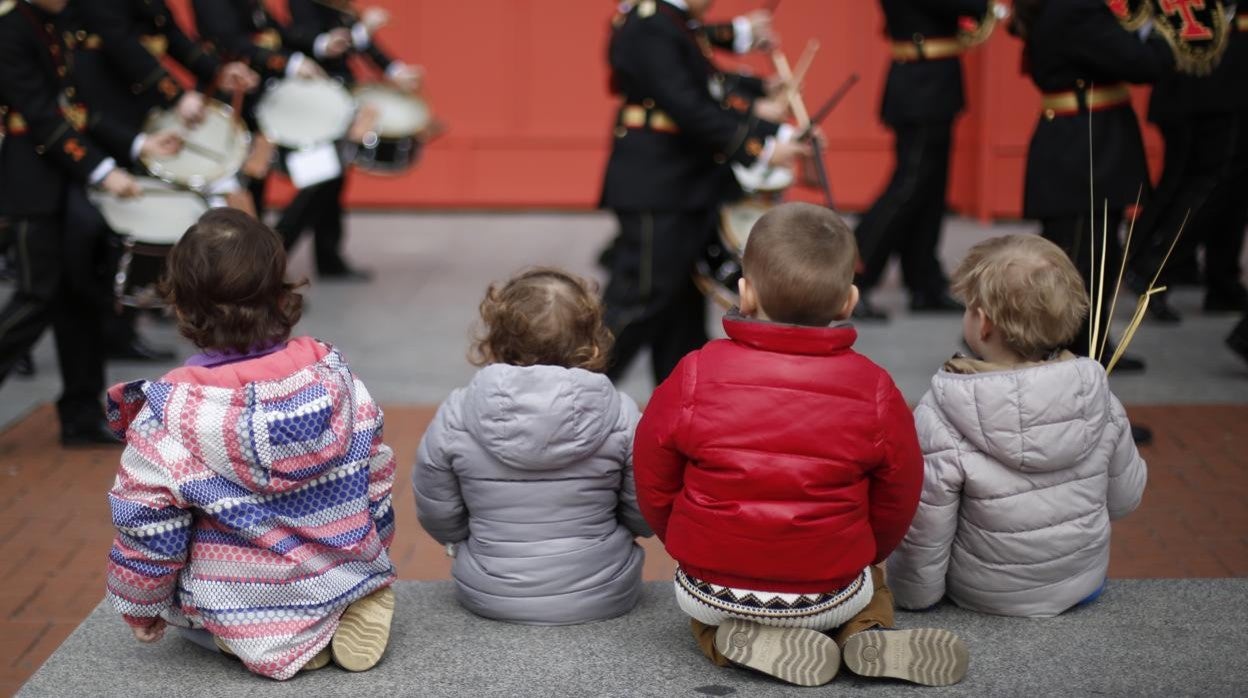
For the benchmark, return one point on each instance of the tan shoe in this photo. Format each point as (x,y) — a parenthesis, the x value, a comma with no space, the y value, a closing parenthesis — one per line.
(363,631)
(927,656)
(796,655)
(319,661)
(223,647)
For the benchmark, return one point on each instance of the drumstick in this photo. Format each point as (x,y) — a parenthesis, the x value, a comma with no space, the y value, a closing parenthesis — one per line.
(206,152)
(794,96)
(804,63)
(830,105)
(772,6)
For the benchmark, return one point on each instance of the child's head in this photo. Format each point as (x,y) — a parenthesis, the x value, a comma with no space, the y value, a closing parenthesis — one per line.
(1022,295)
(543,317)
(226,280)
(799,267)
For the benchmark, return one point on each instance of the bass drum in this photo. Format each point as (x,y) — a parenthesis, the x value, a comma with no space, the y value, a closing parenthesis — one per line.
(396,124)
(718,271)
(149,226)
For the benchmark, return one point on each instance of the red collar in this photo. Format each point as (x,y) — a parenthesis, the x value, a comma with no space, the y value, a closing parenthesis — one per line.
(790,339)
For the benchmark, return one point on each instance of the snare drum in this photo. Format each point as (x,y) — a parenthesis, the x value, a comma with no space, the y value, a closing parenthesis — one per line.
(149,227)
(716,274)
(395,141)
(212,151)
(301,114)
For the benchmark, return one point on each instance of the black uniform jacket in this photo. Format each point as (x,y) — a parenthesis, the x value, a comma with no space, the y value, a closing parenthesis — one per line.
(118,53)
(310,19)
(242,30)
(1072,45)
(1179,95)
(925,91)
(660,63)
(51,137)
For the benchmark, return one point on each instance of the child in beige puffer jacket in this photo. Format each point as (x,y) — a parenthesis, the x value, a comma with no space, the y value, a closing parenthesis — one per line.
(1028,455)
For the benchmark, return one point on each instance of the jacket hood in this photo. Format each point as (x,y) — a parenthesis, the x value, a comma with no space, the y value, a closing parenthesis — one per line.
(540,417)
(269,424)
(1043,417)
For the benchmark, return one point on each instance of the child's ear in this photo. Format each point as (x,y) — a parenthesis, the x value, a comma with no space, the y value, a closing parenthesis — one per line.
(749,299)
(986,325)
(851,302)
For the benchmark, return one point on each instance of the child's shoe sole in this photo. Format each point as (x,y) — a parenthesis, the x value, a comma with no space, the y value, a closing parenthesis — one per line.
(926,656)
(796,655)
(363,631)
(318,661)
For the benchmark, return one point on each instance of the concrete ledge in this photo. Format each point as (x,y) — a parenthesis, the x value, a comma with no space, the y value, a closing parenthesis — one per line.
(1149,637)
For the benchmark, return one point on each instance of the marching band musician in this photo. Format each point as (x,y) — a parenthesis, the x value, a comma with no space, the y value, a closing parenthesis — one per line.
(1081,58)
(677,129)
(1204,121)
(55,146)
(335,33)
(922,97)
(117,46)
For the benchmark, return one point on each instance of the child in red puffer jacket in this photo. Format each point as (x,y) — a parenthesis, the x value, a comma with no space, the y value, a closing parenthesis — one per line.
(779,467)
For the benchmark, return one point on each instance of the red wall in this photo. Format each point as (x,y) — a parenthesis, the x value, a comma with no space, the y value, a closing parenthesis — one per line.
(522,84)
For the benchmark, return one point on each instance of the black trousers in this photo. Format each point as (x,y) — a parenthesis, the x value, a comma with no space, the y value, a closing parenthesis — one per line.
(907,218)
(651,300)
(58,285)
(1205,180)
(318,208)
(1074,235)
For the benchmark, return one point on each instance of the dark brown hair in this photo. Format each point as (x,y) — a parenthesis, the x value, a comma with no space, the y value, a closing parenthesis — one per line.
(226,279)
(800,259)
(543,316)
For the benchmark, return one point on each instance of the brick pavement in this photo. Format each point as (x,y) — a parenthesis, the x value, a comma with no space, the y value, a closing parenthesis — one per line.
(55,533)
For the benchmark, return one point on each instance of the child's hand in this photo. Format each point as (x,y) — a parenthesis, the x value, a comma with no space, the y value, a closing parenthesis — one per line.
(152,633)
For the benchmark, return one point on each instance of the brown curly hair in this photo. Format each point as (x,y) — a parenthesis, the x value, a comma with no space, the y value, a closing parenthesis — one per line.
(226,281)
(543,316)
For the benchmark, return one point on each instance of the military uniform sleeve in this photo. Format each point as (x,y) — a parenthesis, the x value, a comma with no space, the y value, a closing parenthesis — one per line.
(116,138)
(960,8)
(306,23)
(218,22)
(24,89)
(732,135)
(1095,38)
(192,55)
(142,71)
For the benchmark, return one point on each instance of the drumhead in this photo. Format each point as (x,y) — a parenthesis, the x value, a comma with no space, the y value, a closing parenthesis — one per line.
(737,220)
(300,113)
(215,149)
(160,217)
(399,114)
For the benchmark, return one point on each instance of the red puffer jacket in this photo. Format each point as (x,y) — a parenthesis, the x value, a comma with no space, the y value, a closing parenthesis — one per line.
(778,460)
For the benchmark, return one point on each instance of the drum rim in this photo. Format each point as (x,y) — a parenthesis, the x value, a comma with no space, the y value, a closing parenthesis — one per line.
(101,199)
(725,232)
(157,171)
(293,144)
(361,88)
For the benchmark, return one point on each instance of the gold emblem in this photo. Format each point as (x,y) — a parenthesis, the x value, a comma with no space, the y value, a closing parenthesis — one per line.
(76,115)
(156,44)
(269,39)
(754,147)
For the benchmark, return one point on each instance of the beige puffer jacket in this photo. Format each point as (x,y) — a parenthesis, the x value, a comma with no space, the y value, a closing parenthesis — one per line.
(1024,469)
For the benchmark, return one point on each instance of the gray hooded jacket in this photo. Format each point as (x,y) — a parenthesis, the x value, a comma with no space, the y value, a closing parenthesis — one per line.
(529,471)
(1025,469)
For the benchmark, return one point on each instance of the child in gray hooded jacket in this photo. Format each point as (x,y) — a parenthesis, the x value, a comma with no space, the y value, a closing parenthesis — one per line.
(1028,455)
(527,473)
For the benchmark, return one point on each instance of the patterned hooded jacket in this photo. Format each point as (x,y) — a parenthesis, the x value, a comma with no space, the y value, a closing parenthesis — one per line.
(253,500)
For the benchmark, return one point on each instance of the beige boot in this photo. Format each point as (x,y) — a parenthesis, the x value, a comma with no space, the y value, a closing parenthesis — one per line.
(319,661)
(363,631)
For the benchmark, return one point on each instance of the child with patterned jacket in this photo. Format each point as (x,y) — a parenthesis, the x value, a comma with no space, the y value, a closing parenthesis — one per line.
(526,472)
(780,468)
(1029,456)
(252,504)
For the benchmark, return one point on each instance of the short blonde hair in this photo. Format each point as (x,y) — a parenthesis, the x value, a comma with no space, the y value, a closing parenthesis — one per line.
(800,259)
(1030,290)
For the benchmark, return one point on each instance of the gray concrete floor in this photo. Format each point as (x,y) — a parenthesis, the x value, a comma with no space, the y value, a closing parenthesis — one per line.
(407,333)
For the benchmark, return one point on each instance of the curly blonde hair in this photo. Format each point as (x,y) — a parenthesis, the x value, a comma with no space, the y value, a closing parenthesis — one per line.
(543,316)
(1030,290)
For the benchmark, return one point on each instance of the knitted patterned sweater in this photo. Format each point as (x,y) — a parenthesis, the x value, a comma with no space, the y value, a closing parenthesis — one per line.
(253,500)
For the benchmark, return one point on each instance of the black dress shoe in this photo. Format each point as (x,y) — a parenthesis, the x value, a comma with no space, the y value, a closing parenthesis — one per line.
(1160,310)
(1141,435)
(866,312)
(347,274)
(89,434)
(1238,341)
(934,303)
(1127,363)
(139,350)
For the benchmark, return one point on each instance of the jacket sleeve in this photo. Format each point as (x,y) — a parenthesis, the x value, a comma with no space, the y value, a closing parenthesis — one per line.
(628,512)
(959,8)
(898,480)
(916,569)
(1127,471)
(306,23)
(192,55)
(684,96)
(1094,38)
(658,461)
(381,468)
(439,503)
(115,137)
(153,532)
(24,89)
(219,23)
(141,71)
